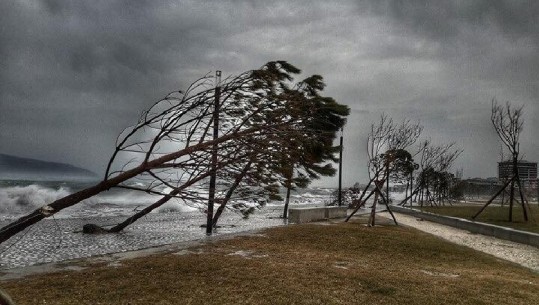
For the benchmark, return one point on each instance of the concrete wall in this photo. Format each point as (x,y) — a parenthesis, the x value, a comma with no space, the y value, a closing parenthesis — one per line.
(303,215)
(310,214)
(518,236)
(336,212)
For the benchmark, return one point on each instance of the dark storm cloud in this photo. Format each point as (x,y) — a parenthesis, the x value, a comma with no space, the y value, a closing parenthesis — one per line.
(490,39)
(74,73)
(74,65)
(443,20)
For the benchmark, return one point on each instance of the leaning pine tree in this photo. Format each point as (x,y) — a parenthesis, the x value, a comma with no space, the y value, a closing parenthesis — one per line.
(170,147)
(309,151)
(306,140)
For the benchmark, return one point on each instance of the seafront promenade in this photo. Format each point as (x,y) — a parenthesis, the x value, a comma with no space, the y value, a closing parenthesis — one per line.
(319,263)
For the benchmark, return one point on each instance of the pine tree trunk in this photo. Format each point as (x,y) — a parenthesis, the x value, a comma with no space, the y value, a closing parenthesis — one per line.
(286,201)
(503,198)
(411,188)
(387,186)
(406,191)
(229,193)
(119,227)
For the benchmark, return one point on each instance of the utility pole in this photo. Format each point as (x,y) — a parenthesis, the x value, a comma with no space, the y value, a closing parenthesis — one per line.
(340,169)
(213,169)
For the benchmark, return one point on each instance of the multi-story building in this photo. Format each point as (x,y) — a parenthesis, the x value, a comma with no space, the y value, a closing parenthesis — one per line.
(527,172)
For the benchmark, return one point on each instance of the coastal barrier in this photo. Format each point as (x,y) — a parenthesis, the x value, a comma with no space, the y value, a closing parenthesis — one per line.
(310,214)
(518,236)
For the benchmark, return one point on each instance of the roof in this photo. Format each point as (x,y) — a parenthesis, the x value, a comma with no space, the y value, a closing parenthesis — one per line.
(519,162)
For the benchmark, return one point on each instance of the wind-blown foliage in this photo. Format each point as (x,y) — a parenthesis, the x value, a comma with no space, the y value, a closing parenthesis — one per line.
(309,152)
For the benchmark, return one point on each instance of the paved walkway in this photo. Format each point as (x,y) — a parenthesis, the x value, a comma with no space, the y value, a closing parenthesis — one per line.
(525,255)
(57,240)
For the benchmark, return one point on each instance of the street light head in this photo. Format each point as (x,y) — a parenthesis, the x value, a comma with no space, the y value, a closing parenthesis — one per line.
(217,77)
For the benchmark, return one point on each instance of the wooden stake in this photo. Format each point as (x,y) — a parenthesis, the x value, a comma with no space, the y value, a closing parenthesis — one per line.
(493,197)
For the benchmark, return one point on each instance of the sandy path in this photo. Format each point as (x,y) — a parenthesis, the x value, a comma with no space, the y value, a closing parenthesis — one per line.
(525,255)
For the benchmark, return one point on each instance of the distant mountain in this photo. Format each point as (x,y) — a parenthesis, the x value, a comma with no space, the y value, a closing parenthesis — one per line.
(12,167)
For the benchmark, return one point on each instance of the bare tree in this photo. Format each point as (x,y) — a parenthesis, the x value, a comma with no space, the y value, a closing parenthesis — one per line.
(508,122)
(402,136)
(434,163)
(386,145)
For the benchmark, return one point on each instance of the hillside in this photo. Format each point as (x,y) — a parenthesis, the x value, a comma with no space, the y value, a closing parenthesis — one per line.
(12,167)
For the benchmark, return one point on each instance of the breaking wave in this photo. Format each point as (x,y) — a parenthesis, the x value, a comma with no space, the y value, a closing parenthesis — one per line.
(18,200)
(24,199)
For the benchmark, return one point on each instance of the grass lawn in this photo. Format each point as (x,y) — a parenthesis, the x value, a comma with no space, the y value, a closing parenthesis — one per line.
(493,214)
(345,263)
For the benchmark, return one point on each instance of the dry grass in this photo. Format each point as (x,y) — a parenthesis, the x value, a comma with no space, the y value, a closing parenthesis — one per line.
(344,263)
(493,214)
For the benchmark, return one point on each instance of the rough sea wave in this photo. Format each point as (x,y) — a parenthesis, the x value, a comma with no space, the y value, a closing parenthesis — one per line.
(18,198)
(21,197)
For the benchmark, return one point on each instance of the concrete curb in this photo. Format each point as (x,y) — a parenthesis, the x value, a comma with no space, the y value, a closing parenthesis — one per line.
(518,236)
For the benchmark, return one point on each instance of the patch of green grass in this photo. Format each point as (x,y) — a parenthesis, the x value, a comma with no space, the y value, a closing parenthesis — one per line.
(493,214)
(346,263)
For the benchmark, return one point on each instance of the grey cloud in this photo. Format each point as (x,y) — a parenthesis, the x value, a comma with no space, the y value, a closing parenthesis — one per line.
(493,39)
(74,73)
(442,20)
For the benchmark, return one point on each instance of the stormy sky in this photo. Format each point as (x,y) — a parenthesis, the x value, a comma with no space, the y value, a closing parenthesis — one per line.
(73,74)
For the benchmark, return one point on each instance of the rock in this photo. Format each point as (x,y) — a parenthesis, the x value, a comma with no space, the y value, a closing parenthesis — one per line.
(93,229)
(246,212)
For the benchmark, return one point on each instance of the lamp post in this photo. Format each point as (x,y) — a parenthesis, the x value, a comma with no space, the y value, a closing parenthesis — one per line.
(340,169)
(213,169)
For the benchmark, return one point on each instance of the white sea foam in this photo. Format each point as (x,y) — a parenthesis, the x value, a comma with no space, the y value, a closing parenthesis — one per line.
(126,198)
(23,199)
(175,206)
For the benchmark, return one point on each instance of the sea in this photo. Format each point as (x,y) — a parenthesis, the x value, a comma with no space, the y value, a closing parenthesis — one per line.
(60,238)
